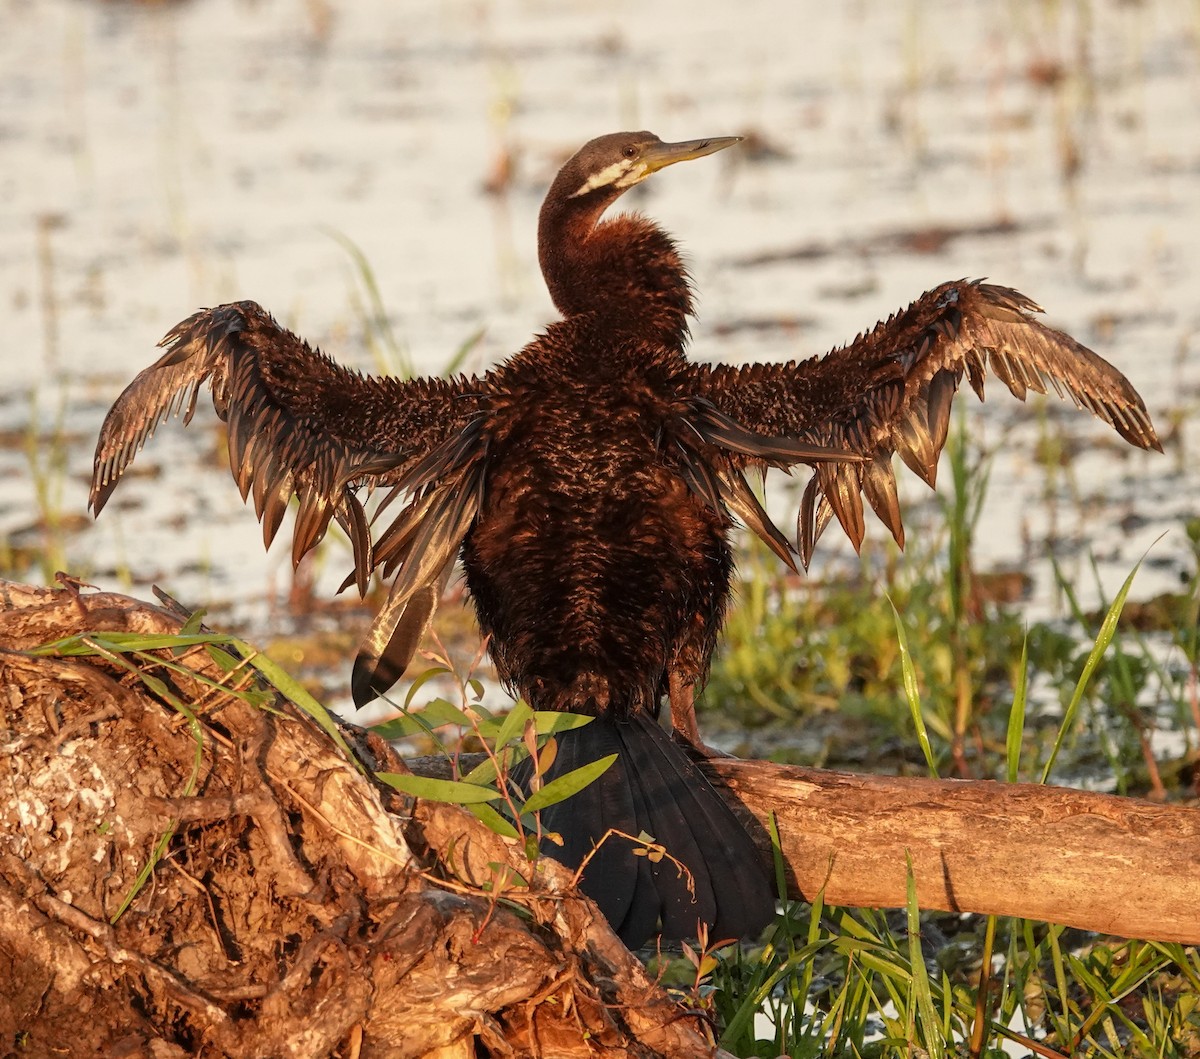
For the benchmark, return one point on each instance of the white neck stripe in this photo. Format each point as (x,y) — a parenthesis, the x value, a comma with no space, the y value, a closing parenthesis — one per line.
(622,174)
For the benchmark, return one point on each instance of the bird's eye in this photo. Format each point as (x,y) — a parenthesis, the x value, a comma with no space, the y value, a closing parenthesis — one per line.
(630,151)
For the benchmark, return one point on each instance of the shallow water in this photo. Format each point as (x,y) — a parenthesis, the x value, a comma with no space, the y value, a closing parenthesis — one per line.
(160,157)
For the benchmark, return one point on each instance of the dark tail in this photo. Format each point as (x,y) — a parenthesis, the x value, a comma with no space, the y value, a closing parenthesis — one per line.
(653,787)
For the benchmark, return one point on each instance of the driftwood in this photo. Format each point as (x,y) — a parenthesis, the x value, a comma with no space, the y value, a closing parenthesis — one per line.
(298,910)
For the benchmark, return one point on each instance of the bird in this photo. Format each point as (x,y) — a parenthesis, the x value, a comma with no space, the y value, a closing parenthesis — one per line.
(590,485)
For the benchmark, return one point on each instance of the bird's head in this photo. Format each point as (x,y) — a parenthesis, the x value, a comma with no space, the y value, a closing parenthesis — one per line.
(609,165)
(627,264)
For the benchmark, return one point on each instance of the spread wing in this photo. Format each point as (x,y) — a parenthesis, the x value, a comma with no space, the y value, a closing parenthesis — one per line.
(711,449)
(891,389)
(301,425)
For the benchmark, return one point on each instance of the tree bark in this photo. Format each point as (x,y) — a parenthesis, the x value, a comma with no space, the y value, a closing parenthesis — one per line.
(1095,861)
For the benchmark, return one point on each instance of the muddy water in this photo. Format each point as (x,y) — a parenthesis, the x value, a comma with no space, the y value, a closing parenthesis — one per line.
(160,157)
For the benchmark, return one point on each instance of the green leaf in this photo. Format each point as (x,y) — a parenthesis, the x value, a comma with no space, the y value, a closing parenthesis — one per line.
(513,725)
(550,722)
(434,714)
(420,681)
(485,771)
(493,820)
(400,726)
(438,712)
(562,787)
(453,792)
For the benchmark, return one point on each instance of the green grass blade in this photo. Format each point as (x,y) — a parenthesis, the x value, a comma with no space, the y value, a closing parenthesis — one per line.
(192,626)
(737,1026)
(376,320)
(147,870)
(197,732)
(464,350)
(86,643)
(920,977)
(777,860)
(292,689)
(1068,590)
(1108,629)
(912,692)
(1016,716)
(979,1018)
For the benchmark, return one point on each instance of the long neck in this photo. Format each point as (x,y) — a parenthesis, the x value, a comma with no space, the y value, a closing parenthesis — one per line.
(626,269)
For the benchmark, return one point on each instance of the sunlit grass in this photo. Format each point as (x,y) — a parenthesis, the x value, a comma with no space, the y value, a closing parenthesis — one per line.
(873,986)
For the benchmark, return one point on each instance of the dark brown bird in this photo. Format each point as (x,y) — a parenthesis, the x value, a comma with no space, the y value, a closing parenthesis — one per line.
(589,486)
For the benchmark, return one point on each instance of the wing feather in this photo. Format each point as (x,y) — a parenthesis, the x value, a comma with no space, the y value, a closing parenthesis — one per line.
(705,439)
(298,424)
(401,622)
(740,499)
(890,391)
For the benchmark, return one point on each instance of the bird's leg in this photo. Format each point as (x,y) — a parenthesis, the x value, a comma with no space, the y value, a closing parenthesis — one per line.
(683,709)
(681,694)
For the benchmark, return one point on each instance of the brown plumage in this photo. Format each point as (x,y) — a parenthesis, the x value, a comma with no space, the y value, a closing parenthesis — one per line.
(890,391)
(589,486)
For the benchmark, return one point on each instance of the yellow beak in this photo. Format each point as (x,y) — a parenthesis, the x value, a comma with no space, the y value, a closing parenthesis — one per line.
(660,155)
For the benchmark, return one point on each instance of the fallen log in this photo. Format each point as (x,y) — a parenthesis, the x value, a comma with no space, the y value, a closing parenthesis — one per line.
(1103,863)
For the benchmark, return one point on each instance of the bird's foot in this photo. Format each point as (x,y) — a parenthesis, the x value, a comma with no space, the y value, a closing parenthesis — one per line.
(698,750)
